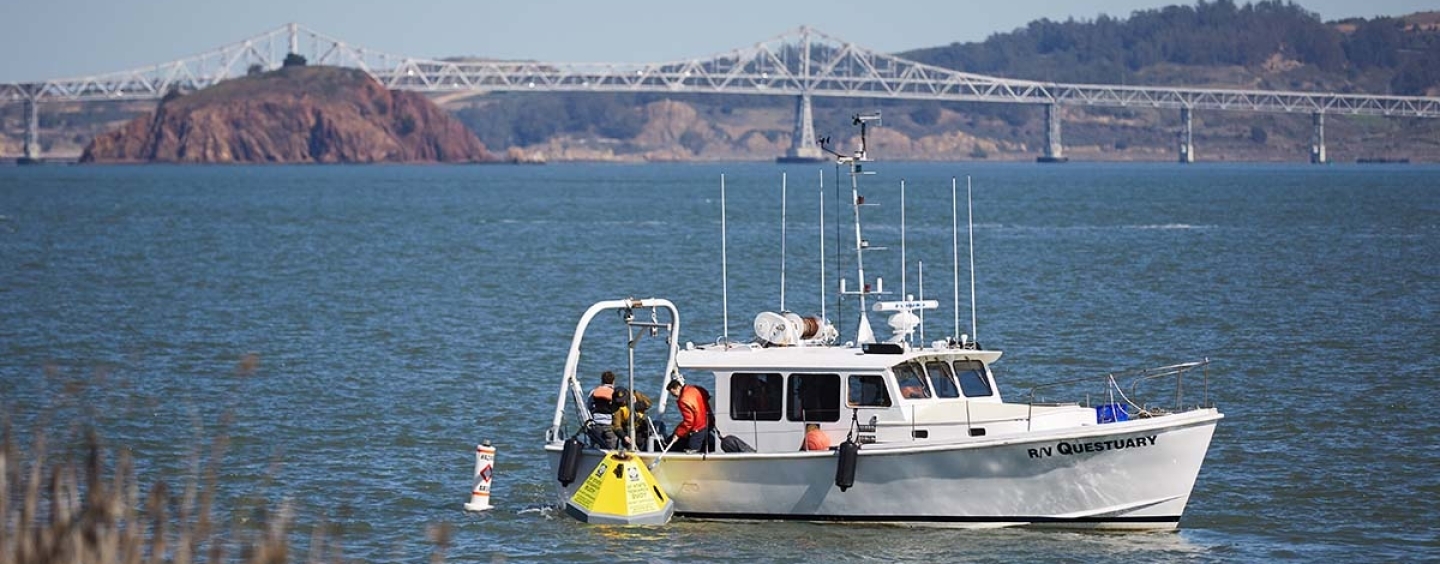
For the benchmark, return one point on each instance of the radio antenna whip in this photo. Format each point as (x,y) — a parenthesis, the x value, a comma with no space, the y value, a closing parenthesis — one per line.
(783,200)
(970,220)
(955,252)
(724,267)
(822,245)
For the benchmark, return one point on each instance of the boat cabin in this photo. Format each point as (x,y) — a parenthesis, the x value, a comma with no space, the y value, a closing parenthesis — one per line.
(766,395)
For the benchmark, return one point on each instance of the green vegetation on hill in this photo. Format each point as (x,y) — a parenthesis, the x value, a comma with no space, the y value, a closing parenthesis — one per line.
(1220,33)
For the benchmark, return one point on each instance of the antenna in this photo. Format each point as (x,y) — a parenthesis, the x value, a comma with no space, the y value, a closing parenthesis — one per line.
(724,267)
(955,252)
(861,120)
(783,200)
(904,266)
(970,220)
(920,264)
(822,245)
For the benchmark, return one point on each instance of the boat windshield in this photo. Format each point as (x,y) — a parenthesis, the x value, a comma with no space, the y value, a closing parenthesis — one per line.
(972,378)
(912,385)
(941,379)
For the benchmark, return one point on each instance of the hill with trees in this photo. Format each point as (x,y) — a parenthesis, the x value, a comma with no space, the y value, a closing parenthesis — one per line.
(1384,55)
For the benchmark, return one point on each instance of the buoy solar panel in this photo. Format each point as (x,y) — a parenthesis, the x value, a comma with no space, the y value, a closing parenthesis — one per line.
(621,491)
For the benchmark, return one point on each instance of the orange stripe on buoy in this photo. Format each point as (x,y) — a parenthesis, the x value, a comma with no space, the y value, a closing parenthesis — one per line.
(486,494)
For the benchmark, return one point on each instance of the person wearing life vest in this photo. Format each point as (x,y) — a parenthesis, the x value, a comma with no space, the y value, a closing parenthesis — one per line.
(602,408)
(693,431)
(623,421)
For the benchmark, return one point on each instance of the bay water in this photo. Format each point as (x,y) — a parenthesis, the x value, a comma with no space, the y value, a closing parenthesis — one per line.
(353,332)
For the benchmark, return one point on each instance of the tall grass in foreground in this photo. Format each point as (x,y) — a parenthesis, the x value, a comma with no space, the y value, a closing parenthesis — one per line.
(61,510)
(83,502)
(58,510)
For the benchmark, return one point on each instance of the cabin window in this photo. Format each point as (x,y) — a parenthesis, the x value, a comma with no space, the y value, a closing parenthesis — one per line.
(912,384)
(940,379)
(972,378)
(814,397)
(756,397)
(868,391)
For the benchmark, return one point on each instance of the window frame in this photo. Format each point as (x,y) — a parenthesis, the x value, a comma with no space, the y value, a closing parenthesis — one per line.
(795,403)
(743,382)
(854,383)
(980,371)
(918,373)
(946,375)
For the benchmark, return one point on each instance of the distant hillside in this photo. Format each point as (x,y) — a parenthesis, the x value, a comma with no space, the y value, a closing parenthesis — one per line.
(293,115)
(1278,44)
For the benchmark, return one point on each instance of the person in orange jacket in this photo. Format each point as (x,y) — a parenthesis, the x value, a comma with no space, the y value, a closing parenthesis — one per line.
(693,431)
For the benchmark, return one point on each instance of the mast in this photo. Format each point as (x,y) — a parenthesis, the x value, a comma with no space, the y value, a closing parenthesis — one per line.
(863,333)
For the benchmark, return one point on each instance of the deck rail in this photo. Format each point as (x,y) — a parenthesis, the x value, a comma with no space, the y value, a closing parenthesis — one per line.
(1124,387)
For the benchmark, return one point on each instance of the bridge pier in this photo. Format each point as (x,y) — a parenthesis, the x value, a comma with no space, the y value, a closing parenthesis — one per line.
(803,148)
(1054,151)
(1187,137)
(32,133)
(1317,139)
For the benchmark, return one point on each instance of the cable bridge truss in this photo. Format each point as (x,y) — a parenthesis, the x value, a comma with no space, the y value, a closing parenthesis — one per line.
(803,63)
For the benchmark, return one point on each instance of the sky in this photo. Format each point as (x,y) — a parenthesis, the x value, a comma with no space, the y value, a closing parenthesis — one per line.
(47,39)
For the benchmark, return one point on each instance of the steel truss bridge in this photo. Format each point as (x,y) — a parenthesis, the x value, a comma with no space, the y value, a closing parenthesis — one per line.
(802,64)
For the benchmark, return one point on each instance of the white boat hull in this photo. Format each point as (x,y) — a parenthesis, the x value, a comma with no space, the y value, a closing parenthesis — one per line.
(1129,475)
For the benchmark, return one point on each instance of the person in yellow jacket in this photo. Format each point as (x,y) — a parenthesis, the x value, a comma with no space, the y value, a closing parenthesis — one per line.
(623,424)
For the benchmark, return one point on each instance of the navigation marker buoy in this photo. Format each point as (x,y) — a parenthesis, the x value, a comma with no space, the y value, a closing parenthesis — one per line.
(484,471)
(621,491)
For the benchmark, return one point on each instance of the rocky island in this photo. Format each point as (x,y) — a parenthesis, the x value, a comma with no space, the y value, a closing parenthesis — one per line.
(296,114)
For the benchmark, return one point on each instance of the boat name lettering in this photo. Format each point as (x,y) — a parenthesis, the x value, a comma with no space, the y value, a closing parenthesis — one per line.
(1066,449)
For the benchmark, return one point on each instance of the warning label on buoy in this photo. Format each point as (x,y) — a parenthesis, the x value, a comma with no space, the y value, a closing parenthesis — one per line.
(621,491)
(484,468)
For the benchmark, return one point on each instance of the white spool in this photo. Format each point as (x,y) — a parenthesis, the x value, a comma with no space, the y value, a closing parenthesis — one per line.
(484,472)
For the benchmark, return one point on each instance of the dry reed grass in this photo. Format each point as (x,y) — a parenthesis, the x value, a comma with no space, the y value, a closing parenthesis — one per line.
(56,509)
(85,504)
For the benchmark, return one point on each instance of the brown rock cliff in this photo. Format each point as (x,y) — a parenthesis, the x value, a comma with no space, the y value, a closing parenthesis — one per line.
(293,115)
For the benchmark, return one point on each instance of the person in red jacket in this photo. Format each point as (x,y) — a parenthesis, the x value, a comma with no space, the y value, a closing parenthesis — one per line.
(694,428)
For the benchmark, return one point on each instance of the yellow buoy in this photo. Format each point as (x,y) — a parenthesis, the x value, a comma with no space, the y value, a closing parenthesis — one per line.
(621,491)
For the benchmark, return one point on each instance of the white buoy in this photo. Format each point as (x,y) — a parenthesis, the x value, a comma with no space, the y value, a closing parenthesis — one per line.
(484,471)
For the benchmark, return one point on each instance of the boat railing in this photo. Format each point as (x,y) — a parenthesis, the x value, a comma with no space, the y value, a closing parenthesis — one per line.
(1125,388)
